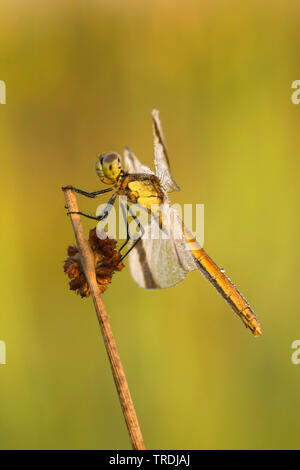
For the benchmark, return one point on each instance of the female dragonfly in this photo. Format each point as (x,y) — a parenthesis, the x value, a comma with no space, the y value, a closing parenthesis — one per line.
(160,262)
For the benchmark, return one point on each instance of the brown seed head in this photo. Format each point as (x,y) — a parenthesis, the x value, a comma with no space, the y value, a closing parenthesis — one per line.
(106,260)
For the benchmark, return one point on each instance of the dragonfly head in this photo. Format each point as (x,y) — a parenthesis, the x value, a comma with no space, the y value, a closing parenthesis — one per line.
(108,168)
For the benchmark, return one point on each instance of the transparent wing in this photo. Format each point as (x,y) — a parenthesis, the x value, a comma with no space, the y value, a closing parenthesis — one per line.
(161,259)
(132,163)
(161,158)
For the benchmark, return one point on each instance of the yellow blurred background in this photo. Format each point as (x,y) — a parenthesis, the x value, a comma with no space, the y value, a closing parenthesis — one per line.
(82,78)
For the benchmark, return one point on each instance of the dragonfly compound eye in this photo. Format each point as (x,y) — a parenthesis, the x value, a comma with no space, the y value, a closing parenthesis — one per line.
(108,168)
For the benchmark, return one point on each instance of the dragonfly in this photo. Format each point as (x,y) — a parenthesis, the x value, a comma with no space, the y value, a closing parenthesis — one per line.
(160,262)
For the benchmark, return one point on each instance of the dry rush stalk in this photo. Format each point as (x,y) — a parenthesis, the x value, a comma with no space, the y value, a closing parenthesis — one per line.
(87,262)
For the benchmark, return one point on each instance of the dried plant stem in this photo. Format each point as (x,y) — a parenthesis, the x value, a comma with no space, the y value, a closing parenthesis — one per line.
(86,255)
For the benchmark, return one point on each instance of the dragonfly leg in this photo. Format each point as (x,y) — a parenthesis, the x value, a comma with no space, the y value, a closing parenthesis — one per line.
(135,218)
(131,248)
(127,226)
(82,213)
(103,214)
(86,193)
(108,207)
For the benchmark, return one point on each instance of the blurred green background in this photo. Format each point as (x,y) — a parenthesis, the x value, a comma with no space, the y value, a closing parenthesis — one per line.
(82,78)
